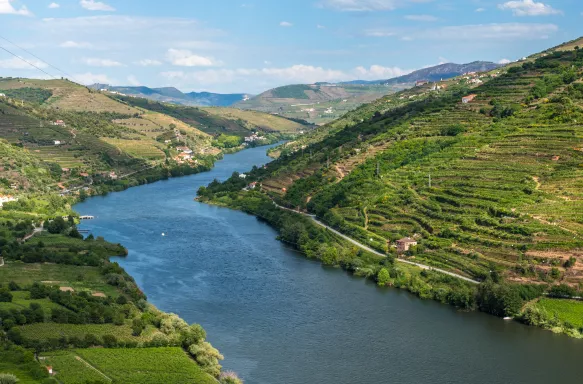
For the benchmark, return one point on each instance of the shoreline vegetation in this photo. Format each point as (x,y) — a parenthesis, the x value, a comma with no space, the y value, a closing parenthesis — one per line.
(534,305)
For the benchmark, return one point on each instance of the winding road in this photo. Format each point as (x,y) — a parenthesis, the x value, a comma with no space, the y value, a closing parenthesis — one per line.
(366,248)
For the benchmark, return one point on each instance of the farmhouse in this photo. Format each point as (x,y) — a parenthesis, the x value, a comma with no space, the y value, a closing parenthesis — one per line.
(57,142)
(252,185)
(59,123)
(6,199)
(469,98)
(419,83)
(112,175)
(405,244)
(186,150)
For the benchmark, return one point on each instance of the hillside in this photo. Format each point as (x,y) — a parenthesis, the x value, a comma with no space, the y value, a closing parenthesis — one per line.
(489,188)
(322,103)
(216,121)
(173,95)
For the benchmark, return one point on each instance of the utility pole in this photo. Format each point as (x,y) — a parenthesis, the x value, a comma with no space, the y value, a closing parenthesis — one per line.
(430,180)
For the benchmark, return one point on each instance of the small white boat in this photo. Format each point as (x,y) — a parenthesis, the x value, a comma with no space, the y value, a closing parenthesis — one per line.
(163,234)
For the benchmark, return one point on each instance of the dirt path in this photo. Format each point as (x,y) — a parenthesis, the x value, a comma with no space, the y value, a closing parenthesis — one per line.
(365,218)
(537,181)
(93,368)
(340,172)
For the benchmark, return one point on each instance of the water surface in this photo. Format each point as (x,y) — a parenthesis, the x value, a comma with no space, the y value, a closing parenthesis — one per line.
(281,319)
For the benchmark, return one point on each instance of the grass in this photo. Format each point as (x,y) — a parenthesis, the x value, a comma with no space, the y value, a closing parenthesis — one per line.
(567,311)
(46,331)
(128,366)
(21,300)
(138,148)
(78,277)
(68,368)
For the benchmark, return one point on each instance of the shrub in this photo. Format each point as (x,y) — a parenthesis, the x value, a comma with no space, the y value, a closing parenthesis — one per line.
(229,378)
(7,378)
(383,277)
(5,295)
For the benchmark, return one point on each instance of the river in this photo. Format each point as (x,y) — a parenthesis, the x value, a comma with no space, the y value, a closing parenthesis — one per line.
(281,319)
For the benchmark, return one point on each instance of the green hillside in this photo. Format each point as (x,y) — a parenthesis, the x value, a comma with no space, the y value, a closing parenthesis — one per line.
(217,120)
(491,189)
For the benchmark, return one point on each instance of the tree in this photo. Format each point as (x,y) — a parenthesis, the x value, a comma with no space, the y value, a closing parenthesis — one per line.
(192,335)
(383,277)
(138,327)
(330,256)
(5,295)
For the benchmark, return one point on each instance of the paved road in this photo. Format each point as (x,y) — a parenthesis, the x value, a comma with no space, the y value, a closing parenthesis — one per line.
(366,248)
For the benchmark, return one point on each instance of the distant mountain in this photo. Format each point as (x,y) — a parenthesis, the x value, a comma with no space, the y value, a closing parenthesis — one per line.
(436,73)
(175,96)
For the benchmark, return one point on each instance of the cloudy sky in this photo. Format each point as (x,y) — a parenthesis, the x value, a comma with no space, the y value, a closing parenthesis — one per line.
(253,45)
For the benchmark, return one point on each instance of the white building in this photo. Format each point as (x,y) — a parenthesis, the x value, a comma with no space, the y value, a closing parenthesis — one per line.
(58,142)
(6,199)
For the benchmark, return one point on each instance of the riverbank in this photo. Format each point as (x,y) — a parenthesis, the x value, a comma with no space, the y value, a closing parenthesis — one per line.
(519,302)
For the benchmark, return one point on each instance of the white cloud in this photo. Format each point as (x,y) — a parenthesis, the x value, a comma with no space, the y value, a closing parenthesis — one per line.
(93,5)
(93,62)
(320,26)
(378,72)
(132,80)
(54,5)
(16,63)
(481,10)
(285,24)
(185,58)
(504,61)
(421,17)
(91,78)
(476,32)
(8,9)
(264,78)
(75,44)
(148,63)
(528,8)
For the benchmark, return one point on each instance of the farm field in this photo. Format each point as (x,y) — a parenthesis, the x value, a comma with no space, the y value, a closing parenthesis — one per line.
(46,331)
(567,311)
(78,277)
(22,300)
(131,366)
(138,148)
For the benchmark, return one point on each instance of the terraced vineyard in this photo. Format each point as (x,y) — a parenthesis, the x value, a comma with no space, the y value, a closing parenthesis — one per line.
(492,185)
(144,365)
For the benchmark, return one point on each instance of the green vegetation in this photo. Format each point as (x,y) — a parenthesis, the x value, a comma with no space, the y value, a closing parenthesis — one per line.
(142,365)
(568,312)
(293,91)
(490,189)
(31,95)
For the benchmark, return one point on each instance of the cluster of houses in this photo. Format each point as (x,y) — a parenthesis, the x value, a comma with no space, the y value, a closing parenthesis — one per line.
(251,186)
(329,111)
(185,155)
(253,138)
(7,199)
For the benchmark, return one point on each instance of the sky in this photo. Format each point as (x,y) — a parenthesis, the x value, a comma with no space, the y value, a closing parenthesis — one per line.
(249,46)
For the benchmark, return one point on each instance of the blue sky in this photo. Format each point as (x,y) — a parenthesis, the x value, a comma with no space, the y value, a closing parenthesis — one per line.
(253,45)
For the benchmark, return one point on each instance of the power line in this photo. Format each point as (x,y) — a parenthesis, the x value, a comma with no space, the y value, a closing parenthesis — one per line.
(27,62)
(36,57)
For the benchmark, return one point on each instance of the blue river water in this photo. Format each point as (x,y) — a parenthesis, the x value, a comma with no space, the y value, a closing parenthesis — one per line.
(281,319)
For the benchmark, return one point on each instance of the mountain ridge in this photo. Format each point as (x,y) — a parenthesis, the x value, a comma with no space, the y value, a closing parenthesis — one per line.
(174,95)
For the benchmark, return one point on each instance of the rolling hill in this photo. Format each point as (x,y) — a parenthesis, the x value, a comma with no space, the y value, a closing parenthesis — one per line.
(173,95)
(323,102)
(66,130)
